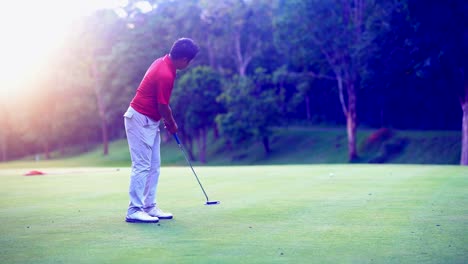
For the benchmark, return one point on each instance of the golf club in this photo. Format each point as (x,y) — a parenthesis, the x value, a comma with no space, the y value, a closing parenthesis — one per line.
(208,202)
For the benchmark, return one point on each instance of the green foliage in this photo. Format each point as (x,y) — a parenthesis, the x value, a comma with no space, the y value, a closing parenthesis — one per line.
(194,98)
(252,107)
(407,55)
(331,32)
(292,34)
(236,33)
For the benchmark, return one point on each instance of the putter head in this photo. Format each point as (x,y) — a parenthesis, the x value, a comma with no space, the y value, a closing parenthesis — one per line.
(212,202)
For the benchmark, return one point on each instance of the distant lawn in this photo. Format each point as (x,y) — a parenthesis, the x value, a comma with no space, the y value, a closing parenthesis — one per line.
(268,214)
(293,145)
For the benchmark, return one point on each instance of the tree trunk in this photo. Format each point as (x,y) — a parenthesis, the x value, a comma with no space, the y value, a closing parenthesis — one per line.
(464,105)
(105,138)
(464,148)
(211,53)
(202,145)
(307,101)
(46,149)
(3,146)
(351,123)
(266,145)
(101,107)
(349,111)
(242,59)
(102,116)
(3,132)
(215,131)
(188,141)
(62,148)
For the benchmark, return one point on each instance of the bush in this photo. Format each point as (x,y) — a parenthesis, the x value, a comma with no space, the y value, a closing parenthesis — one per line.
(375,140)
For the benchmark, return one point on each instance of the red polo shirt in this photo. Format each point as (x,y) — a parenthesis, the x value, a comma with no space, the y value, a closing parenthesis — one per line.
(156,87)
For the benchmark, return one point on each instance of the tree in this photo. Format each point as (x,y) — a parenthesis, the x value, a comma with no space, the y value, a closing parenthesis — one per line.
(343,33)
(242,29)
(4,133)
(344,61)
(439,51)
(99,34)
(251,109)
(195,106)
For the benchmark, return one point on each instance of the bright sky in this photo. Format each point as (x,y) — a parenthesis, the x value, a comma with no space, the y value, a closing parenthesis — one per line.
(31,30)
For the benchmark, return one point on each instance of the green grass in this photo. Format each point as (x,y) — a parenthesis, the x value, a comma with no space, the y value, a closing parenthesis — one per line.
(268,214)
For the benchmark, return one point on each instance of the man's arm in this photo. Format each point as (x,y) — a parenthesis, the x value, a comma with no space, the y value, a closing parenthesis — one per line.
(169,122)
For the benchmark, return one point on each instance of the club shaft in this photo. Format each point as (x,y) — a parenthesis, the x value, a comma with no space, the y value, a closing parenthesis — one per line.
(191,167)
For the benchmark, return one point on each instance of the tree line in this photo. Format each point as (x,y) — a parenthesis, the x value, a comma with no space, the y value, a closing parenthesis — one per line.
(263,64)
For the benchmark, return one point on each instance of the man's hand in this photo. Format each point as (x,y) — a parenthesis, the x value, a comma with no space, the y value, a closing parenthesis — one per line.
(171,126)
(169,121)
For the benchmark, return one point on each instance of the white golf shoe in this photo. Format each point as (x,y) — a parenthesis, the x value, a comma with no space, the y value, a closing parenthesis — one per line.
(141,217)
(156,212)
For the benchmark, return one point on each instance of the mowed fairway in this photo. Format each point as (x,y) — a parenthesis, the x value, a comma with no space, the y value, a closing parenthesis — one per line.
(268,214)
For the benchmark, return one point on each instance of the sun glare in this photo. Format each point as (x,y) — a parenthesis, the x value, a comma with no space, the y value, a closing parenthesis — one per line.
(32,31)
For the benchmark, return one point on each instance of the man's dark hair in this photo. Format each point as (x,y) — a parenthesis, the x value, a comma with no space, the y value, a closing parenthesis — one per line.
(184,48)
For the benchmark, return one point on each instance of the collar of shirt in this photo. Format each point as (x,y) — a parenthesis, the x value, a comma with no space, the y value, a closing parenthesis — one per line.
(169,63)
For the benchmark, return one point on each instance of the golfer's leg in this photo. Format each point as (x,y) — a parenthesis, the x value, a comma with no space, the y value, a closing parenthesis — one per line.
(138,136)
(153,178)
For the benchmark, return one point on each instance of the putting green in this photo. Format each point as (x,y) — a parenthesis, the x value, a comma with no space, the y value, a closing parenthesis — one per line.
(268,214)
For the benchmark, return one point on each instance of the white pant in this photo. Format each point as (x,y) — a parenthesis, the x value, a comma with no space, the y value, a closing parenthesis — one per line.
(144,141)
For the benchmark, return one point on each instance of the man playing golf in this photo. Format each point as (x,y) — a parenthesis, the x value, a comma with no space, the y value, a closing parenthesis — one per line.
(148,107)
